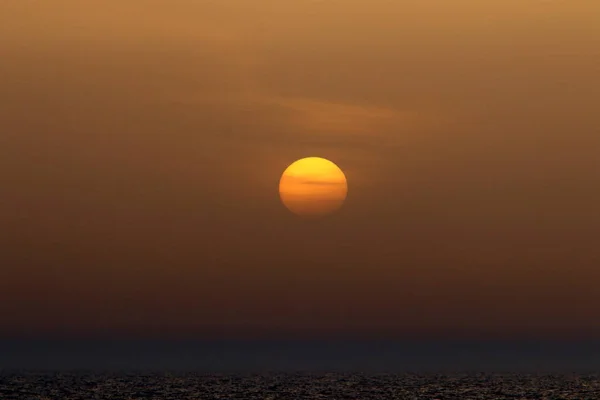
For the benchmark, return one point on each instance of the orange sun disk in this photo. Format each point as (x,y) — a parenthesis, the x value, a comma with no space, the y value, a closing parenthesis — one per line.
(313,186)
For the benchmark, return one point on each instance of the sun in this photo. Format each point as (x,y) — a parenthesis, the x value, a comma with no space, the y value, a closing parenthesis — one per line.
(313,186)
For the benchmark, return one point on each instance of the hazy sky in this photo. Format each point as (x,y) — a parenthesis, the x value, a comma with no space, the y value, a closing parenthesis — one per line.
(142,142)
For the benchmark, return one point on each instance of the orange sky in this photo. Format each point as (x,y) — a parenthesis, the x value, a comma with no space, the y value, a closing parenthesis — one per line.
(142,142)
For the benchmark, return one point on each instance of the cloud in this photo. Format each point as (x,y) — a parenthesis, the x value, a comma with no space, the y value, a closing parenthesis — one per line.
(318,115)
(317,120)
(307,181)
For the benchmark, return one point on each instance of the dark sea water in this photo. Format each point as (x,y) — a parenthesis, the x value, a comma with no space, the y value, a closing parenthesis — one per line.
(82,385)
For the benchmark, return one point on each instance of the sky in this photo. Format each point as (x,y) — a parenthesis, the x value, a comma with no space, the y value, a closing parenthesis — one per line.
(142,143)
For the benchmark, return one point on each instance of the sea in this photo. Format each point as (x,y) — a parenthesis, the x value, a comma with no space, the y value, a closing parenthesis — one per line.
(87,385)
